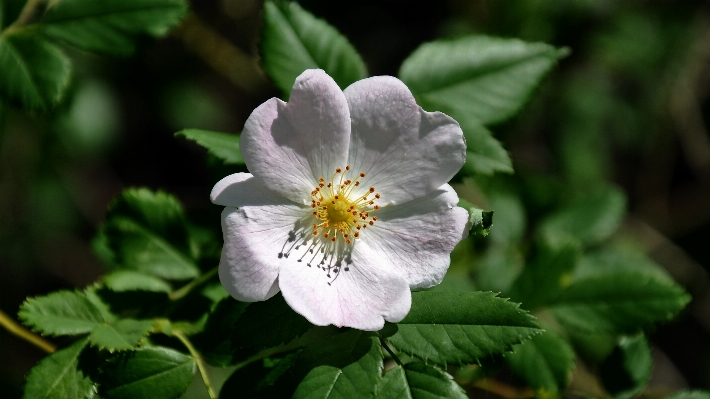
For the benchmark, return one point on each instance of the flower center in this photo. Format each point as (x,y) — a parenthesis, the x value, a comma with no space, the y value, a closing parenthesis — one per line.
(342,207)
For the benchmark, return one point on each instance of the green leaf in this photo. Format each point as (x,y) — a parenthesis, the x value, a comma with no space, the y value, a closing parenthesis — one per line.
(146,232)
(591,219)
(147,373)
(628,369)
(690,395)
(127,280)
(224,146)
(269,378)
(268,324)
(484,154)
(418,381)
(346,365)
(487,79)
(480,221)
(110,26)
(498,268)
(611,259)
(35,73)
(61,313)
(58,376)
(545,363)
(623,302)
(547,274)
(461,327)
(121,335)
(216,341)
(293,40)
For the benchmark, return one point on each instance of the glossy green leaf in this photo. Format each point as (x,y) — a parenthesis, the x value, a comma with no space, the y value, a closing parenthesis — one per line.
(346,365)
(35,73)
(293,40)
(449,327)
(484,154)
(547,274)
(146,232)
(487,79)
(215,342)
(268,324)
(57,376)
(418,381)
(545,363)
(147,373)
(224,146)
(627,370)
(128,280)
(110,26)
(591,219)
(623,302)
(120,335)
(61,313)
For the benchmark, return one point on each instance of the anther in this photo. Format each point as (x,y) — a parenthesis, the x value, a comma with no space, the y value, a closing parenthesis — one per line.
(362,174)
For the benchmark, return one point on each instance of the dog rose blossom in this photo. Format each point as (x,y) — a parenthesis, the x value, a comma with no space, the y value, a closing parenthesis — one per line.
(347,205)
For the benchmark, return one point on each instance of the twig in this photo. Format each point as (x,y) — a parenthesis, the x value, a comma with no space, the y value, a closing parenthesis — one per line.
(185,289)
(26,15)
(503,390)
(13,327)
(385,345)
(198,361)
(221,55)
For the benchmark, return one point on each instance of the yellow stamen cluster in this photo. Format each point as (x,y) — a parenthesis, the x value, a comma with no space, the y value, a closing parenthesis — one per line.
(340,215)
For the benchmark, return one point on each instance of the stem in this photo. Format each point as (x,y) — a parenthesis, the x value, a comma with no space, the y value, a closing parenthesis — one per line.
(26,15)
(13,327)
(185,289)
(500,389)
(385,345)
(198,360)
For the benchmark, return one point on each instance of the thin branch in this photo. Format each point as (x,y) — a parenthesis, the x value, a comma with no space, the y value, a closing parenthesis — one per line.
(28,13)
(385,345)
(198,360)
(185,289)
(14,328)
(503,390)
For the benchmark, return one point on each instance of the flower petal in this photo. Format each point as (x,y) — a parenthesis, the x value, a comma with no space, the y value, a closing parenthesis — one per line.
(288,146)
(416,238)
(405,151)
(243,189)
(362,297)
(254,236)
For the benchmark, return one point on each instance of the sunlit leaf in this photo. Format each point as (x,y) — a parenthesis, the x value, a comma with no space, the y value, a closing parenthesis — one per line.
(346,365)
(128,280)
(61,313)
(110,26)
(485,78)
(57,376)
(224,146)
(418,381)
(120,335)
(293,40)
(450,327)
(484,154)
(35,73)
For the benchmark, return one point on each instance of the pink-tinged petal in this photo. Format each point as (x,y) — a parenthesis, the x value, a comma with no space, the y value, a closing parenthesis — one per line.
(254,236)
(416,238)
(405,151)
(243,189)
(288,146)
(362,297)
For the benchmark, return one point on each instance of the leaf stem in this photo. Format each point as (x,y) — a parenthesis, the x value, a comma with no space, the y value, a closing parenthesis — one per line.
(198,361)
(185,289)
(13,327)
(26,15)
(385,345)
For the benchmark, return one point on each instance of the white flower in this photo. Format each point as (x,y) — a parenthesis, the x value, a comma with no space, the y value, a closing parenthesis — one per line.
(346,207)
